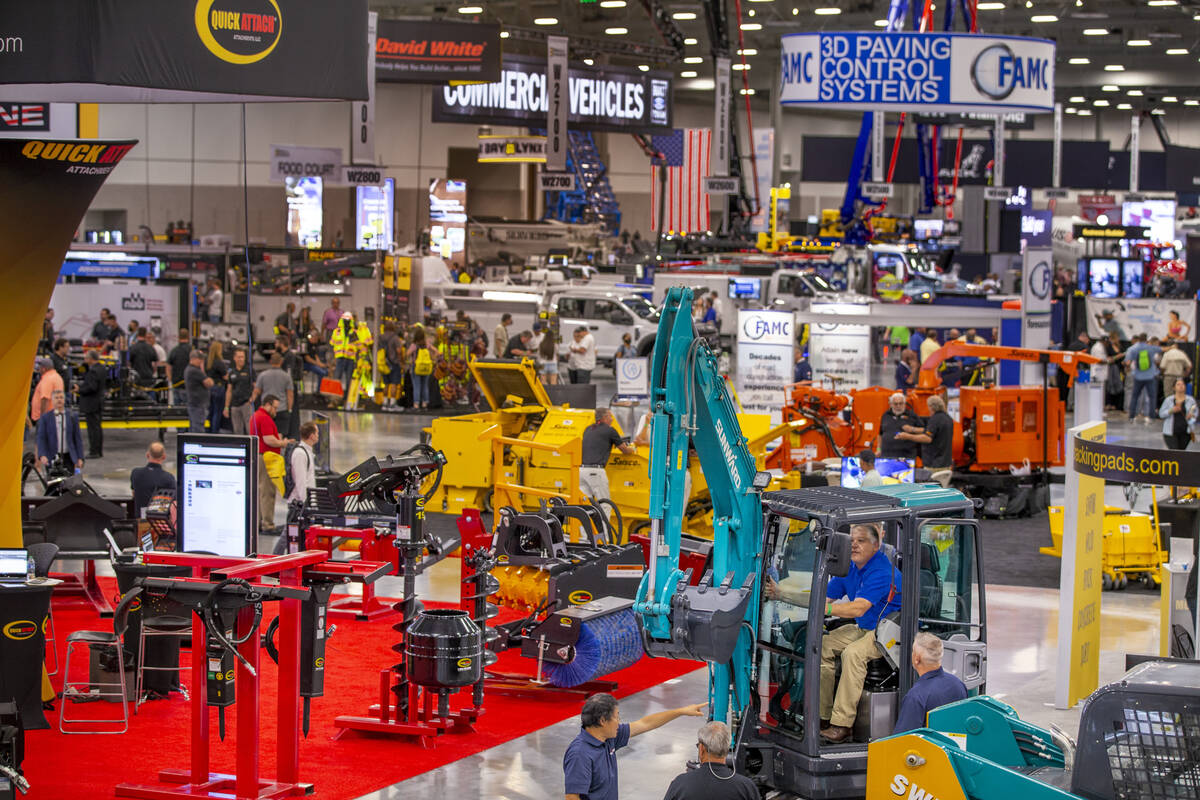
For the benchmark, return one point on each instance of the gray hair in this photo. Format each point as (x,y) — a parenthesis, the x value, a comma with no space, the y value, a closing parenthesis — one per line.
(872,530)
(937,404)
(928,647)
(192,356)
(715,738)
(898,396)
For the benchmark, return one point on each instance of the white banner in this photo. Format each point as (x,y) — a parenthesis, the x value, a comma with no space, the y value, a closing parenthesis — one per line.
(155,307)
(720,140)
(288,161)
(1150,316)
(838,350)
(362,114)
(557,103)
(1036,283)
(766,343)
(894,71)
(633,377)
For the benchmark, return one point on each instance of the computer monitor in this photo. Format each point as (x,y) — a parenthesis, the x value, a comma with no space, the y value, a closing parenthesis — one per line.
(14,563)
(217,495)
(1104,275)
(745,288)
(927,228)
(898,469)
(1132,275)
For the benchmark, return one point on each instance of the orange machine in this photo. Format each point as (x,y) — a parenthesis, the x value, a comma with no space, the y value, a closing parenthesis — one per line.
(817,418)
(1004,425)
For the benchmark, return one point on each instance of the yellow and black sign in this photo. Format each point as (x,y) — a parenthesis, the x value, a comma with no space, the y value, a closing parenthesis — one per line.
(239,31)
(579,597)
(20,629)
(464,663)
(1136,464)
(1109,232)
(319,663)
(512,149)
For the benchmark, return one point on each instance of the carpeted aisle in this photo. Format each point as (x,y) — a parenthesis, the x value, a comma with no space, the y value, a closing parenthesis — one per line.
(61,766)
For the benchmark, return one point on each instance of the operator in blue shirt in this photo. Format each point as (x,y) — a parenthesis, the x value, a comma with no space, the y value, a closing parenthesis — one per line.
(935,687)
(871,590)
(590,763)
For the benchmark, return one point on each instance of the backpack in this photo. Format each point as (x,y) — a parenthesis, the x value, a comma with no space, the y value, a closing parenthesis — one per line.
(1143,361)
(424,364)
(289,477)
(382,362)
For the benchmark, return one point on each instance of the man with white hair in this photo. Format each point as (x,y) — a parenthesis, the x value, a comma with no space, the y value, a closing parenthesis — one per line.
(938,437)
(898,429)
(935,687)
(714,779)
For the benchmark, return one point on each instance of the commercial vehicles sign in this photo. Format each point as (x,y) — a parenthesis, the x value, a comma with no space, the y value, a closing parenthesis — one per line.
(608,99)
(918,71)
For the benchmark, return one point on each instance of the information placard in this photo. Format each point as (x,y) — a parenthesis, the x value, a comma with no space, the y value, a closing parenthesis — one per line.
(837,349)
(766,341)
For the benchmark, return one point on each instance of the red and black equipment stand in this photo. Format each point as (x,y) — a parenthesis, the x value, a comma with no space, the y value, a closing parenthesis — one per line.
(376,542)
(226,595)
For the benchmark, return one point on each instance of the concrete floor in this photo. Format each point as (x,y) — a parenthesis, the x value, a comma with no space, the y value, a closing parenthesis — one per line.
(1021,664)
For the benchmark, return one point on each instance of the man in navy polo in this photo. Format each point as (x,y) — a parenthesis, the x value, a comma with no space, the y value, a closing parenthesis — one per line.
(935,687)
(871,590)
(590,763)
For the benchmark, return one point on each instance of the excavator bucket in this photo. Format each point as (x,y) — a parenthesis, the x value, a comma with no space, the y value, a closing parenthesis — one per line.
(705,620)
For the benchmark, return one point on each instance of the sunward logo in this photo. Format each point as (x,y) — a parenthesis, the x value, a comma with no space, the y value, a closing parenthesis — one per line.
(996,72)
(239,31)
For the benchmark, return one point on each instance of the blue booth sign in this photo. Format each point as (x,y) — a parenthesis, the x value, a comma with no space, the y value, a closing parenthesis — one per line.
(928,72)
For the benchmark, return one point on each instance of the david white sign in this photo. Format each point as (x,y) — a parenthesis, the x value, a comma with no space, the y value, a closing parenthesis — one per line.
(305,162)
(928,72)
(765,346)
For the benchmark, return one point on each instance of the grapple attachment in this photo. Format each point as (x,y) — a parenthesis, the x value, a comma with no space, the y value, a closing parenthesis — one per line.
(705,619)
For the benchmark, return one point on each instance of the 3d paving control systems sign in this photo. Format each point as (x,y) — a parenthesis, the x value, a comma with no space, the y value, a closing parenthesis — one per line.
(612,98)
(918,71)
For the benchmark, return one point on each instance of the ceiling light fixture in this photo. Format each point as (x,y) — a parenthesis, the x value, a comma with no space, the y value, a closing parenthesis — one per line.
(827,11)
(750,26)
(1124,107)
(1095,31)
(1170,99)
(1079,60)
(1100,103)
(795,12)
(690,41)
(1163,3)
(746,91)
(644,67)
(1191,102)
(546,21)
(881,23)
(1077,99)
(990,7)
(616,31)
(1138,43)
(1114,68)
(683,16)
(503,34)
(1071,110)
(1108,87)
(1085,112)
(1043,18)
(1158,112)
(688,73)
(1134,93)
(1177,51)
(739,67)
(749,51)
(693,60)
(589,61)
(612,3)
(471,10)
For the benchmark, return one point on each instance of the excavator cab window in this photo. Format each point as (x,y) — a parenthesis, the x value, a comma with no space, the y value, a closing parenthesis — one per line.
(951,603)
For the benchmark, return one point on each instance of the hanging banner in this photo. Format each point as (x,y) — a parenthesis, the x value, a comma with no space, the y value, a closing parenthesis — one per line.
(599,99)
(764,153)
(929,72)
(1078,673)
(1150,315)
(720,144)
(426,51)
(765,344)
(147,51)
(288,161)
(1037,278)
(46,187)
(836,349)
(556,103)
(512,149)
(362,114)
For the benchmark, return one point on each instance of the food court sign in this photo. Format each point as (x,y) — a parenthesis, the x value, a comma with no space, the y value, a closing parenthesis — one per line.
(918,71)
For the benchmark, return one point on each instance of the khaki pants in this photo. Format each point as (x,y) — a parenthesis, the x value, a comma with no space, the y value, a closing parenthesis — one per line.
(593,481)
(856,647)
(266,497)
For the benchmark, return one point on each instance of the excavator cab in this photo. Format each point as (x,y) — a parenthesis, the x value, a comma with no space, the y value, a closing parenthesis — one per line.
(929,536)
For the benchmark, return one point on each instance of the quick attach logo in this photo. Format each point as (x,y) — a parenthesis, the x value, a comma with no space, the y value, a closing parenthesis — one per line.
(239,31)
(21,629)
(464,663)
(579,597)
(78,154)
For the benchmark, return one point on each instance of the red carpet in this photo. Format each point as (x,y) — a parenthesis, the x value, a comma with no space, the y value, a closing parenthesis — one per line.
(89,766)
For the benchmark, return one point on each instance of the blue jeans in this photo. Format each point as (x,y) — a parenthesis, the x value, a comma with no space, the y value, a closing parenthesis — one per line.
(320,372)
(1149,386)
(216,408)
(420,385)
(343,370)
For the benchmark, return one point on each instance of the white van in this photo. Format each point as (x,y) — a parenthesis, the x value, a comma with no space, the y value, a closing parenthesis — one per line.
(608,315)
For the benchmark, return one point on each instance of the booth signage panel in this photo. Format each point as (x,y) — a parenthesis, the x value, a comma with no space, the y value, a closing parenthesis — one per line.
(607,99)
(765,345)
(1013,120)
(362,176)
(148,51)
(1148,315)
(362,114)
(425,51)
(718,185)
(556,103)
(838,350)
(929,72)
(1036,284)
(288,161)
(556,181)
(878,189)
(1109,231)
(1078,673)
(154,306)
(1135,464)
(633,377)
(512,149)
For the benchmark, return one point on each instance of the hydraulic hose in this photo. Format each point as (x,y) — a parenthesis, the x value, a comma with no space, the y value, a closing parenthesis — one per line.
(208,607)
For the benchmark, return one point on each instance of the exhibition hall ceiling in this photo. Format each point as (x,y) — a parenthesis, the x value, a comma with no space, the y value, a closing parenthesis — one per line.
(1116,54)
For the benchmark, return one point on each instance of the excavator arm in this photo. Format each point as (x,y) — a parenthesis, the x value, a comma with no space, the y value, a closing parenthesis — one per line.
(1066,360)
(715,620)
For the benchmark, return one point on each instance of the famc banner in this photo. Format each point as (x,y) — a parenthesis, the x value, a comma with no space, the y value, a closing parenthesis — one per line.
(45,188)
(924,72)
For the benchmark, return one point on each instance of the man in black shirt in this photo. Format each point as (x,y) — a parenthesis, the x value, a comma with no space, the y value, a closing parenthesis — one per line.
(100,329)
(148,480)
(518,346)
(61,365)
(713,779)
(285,323)
(599,439)
(92,390)
(937,438)
(897,429)
(177,362)
(142,359)
(293,365)
(239,386)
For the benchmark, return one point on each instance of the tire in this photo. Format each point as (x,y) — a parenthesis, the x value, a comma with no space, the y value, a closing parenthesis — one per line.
(1106,583)
(1122,581)
(646,346)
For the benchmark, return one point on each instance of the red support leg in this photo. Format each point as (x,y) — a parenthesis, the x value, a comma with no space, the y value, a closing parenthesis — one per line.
(248,712)
(288,744)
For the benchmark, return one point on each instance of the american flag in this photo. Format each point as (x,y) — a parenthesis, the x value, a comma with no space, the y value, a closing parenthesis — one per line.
(687,152)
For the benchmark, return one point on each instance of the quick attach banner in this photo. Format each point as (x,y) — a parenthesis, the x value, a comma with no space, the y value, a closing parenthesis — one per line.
(1115,462)
(46,187)
(420,51)
(608,99)
(197,51)
(1150,315)
(924,72)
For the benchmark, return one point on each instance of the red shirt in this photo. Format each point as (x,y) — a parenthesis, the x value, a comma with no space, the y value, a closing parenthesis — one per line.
(263,424)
